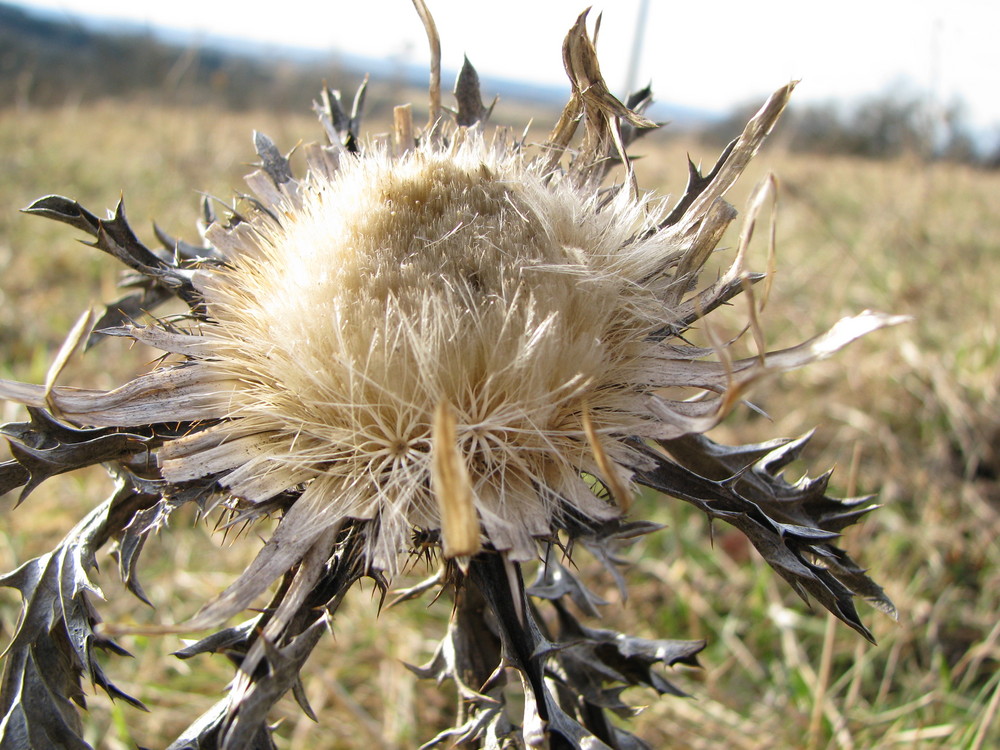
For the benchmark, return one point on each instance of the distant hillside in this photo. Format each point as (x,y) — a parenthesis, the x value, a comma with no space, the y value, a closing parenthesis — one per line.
(49,62)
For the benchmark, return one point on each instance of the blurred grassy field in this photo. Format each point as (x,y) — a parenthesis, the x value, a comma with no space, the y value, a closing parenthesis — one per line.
(910,413)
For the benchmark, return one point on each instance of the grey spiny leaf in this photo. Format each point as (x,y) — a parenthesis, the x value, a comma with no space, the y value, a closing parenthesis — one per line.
(45,447)
(471,109)
(53,647)
(273,162)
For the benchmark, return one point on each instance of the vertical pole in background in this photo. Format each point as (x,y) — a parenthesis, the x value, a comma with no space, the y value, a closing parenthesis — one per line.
(636,51)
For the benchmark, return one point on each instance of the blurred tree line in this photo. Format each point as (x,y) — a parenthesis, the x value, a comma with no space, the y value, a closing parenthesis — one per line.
(46,63)
(881,126)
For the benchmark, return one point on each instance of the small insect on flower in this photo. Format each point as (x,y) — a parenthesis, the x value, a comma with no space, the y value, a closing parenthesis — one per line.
(455,345)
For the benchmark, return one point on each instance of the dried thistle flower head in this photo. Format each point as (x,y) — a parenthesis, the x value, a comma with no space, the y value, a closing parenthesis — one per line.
(454,342)
(456,281)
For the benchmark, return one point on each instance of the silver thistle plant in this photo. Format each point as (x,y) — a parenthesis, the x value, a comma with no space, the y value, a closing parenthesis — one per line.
(451,346)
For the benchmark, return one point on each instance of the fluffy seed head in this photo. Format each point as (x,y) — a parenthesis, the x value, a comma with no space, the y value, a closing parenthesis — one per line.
(455,274)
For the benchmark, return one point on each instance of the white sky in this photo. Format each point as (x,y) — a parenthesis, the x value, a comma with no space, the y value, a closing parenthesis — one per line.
(702,54)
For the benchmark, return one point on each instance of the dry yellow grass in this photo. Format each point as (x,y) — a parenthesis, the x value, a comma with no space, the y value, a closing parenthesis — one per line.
(911,412)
